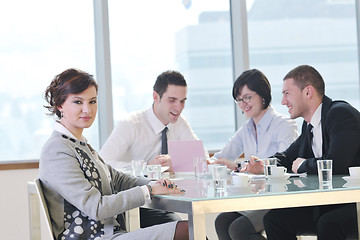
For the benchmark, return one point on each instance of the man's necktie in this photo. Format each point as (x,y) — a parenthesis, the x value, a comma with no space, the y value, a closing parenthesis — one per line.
(310,135)
(164,147)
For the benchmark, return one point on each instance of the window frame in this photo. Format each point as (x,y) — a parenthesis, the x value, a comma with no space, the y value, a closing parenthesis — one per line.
(240,56)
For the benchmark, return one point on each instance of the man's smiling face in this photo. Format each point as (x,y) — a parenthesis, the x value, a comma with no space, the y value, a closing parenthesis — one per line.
(169,107)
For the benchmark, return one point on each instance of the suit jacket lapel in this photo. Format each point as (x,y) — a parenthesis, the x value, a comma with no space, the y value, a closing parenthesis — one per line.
(327,102)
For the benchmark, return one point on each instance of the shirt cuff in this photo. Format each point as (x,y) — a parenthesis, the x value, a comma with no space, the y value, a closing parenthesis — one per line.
(212,159)
(300,165)
(146,193)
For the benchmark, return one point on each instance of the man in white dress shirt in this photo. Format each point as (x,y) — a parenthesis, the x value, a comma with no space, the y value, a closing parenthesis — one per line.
(139,136)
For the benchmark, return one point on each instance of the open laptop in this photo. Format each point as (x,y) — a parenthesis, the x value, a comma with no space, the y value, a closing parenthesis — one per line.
(182,153)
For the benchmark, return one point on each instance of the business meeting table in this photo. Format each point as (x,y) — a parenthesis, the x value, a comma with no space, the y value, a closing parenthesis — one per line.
(201,198)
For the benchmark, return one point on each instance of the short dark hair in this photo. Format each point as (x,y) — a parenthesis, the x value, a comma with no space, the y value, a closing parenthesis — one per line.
(256,81)
(168,78)
(305,75)
(70,81)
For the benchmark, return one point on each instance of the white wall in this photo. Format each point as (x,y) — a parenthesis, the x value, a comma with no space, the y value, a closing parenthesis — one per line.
(14,210)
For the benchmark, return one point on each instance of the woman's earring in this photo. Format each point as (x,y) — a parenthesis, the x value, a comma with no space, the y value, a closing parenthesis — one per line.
(263,101)
(61,114)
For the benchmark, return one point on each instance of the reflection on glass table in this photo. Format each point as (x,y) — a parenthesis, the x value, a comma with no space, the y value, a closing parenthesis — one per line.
(201,197)
(203,188)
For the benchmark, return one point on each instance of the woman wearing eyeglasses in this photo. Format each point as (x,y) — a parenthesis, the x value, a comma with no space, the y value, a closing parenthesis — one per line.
(263,134)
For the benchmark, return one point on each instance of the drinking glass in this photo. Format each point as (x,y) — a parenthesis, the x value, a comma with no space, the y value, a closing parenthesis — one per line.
(325,172)
(200,166)
(138,167)
(220,177)
(154,171)
(268,164)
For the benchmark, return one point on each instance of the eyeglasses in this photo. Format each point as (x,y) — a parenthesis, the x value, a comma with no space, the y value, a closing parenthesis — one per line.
(245,99)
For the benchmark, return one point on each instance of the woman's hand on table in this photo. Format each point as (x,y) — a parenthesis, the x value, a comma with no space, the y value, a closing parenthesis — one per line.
(254,166)
(165,186)
(230,164)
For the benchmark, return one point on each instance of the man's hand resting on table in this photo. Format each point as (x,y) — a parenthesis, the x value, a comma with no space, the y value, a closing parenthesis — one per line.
(164,161)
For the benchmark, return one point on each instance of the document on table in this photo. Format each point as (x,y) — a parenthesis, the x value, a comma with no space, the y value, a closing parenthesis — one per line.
(261,176)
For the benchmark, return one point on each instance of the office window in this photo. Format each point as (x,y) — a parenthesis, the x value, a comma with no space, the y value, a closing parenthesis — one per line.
(193,37)
(39,39)
(320,33)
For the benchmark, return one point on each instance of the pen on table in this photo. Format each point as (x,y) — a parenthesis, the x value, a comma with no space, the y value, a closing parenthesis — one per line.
(256,160)
(241,165)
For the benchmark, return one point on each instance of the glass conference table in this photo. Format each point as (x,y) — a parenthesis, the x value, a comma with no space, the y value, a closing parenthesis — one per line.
(200,197)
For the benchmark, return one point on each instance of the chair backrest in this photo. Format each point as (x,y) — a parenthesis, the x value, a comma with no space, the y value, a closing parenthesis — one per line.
(132,219)
(43,207)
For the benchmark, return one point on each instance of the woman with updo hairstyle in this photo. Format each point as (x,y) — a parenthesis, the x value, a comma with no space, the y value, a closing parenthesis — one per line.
(71,81)
(87,198)
(263,134)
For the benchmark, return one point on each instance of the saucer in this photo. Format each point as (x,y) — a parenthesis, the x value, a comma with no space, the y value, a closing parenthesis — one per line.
(279,178)
(352,184)
(281,182)
(351,179)
(239,173)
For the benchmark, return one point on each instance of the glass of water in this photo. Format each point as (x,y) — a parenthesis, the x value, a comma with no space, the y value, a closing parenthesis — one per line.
(138,167)
(200,166)
(220,177)
(268,164)
(154,171)
(325,173)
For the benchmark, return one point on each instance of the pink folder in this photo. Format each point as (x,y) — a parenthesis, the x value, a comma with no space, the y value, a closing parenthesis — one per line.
(182,153)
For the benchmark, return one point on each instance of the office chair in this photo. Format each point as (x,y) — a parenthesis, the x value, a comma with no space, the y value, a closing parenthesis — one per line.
(40,223)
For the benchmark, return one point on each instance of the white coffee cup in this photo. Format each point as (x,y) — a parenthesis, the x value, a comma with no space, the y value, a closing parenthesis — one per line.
(240,180)
(277,171)
(354,171)
(210,168)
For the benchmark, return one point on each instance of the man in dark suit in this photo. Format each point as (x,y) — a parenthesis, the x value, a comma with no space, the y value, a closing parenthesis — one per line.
(331,130)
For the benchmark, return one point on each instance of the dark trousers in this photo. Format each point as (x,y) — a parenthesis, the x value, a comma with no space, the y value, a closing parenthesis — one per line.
(235,226)
(150,217)
(330,222)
